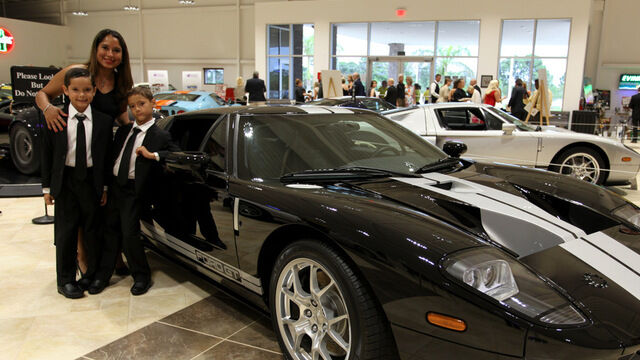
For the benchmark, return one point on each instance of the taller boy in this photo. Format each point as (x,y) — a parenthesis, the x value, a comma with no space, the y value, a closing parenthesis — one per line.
(74,167)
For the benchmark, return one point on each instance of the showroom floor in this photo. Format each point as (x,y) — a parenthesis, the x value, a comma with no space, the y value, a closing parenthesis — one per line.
(183,316)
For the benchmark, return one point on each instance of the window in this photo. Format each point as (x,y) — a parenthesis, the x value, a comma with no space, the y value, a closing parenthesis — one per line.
(216,146)
(462,119)
(289,57)
(530,45)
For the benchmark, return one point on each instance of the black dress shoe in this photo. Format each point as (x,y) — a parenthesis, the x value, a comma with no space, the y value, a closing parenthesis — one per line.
(71,291)
(140,287)
(84,283)
(97,286)
(122,271)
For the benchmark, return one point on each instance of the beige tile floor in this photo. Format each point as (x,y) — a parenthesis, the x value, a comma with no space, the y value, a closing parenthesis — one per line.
(38,323)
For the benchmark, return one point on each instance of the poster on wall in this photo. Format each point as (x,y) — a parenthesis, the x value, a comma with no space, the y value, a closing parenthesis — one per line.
(331,83)
(28,80)
(191,80)
(158,80)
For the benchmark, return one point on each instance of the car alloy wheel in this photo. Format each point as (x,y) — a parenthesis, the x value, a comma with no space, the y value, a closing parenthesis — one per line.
(311,312)
(582,166)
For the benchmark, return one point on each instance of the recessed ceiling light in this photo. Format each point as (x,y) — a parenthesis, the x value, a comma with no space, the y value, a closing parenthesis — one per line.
(186,2)
(80,13)
(131,8)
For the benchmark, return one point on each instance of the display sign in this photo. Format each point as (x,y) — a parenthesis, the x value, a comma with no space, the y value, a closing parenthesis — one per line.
(191,80)
(158,80)
(213,76)
(331,83)
(7,42)
(28,80)
(629,81)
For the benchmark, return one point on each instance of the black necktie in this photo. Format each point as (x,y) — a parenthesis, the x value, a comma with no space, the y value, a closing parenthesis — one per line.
(123,171)
(81,149)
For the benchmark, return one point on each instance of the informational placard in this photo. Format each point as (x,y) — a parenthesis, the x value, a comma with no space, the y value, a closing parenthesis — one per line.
(158,80)
(191,80)
(331,83)
(28,80)
(629,81)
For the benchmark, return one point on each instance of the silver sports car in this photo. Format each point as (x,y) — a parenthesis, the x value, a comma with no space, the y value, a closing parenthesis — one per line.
(493,135)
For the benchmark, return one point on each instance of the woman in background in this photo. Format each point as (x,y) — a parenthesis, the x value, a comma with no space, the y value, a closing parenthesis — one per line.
(372,89)
(445,90)
(493,94)
(410,98)
(238,92)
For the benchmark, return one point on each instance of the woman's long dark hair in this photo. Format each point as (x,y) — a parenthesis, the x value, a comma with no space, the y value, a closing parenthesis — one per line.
(124,81)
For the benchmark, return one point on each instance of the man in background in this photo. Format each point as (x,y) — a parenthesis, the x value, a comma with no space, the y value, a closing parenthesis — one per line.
(358,87)
(474,83)
(516,102)
(391,96)
(634,105)
(434,89)
(256,88)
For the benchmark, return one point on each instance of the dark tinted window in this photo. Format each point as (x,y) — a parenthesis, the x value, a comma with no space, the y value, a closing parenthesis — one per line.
(216,146)
(492,121)
(188,133)
(217,99)
(460,118)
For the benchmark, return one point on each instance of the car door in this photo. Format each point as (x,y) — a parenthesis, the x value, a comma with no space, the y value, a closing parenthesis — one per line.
(482,132)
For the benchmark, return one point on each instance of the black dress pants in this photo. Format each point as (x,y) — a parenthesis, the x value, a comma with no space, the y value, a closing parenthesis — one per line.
(123,231)
(635,123)
(76,206)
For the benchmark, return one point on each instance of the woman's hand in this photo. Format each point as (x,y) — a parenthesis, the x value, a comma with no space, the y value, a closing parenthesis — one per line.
(55,118)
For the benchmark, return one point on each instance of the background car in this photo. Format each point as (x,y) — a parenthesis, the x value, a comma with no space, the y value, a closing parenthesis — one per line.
(362,102)
(366,242)
(493,135)
(177,102)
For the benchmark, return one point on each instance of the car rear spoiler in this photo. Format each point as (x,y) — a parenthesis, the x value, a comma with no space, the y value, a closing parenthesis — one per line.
(398,110)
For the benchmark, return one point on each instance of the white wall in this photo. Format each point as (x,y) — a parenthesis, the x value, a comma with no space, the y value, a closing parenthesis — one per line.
(322,13)
(35,44)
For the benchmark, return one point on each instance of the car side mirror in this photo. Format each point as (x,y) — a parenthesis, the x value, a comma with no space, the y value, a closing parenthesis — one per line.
(508,129)
(187,160)
(454,148)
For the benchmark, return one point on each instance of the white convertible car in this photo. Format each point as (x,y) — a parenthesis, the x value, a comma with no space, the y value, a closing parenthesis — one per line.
(493,135)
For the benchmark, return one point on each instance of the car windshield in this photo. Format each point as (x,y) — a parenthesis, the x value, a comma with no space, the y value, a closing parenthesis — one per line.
(521,125)
(177,97)
(270,146)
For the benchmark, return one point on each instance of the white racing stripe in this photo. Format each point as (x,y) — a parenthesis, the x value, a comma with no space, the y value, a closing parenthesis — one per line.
(606,265)
(617,250)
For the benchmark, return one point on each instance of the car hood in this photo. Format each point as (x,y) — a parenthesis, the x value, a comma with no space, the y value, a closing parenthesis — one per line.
(560,227)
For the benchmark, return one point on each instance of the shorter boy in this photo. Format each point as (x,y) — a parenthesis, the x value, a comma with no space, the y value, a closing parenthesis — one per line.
(138,150)
(74,166)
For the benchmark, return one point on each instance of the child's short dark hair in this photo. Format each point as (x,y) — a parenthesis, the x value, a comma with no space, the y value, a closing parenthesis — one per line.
(142,91)
(77,73)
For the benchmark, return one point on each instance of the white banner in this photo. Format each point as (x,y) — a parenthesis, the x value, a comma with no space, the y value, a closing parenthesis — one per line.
(191,80)
(158,80)
(331,83)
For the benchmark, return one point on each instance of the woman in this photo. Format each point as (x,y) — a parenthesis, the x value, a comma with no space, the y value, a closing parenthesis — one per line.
(109,66)
(493,94)
(459,94)
(372,89)
(316,90)
(238,91)
(410,98)
(445,90)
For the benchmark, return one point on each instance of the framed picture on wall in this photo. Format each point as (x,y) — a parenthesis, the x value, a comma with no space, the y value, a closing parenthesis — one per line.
(485,80)
(213,76)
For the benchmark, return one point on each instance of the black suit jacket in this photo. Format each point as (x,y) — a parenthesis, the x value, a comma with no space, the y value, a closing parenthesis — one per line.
(156,140)
(358,88)
(634,105)
(256,89)
(391,95)
(54,153)
(516,102)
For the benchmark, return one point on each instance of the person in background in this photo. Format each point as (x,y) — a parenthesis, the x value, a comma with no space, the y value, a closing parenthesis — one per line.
(516,102)
(474,83)
(300,92)
(474,95)
(459,94)
(391,95)
(316,90)
(434,89)
(238,92)
(320,91)
(256,88)
(382,91)
(417,94)
(445,90)
(345,87)
(358,87)
(400,102)
(493,94)
(372,89)
(410,98)
(634,105)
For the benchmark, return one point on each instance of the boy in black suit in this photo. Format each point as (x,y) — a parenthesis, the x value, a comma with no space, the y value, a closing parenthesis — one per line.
(138,150)
(74,166)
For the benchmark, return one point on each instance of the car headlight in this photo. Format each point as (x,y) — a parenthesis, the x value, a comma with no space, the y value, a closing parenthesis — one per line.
(628,213)
(494,274)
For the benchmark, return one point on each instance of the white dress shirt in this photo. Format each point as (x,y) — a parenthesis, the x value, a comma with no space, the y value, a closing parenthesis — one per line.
(476,98)
(72,132)
(139,139)
(432,91)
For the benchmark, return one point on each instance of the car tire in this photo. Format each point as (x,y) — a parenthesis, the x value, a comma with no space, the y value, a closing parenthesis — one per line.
(23,150)
(582,163)
(340,310)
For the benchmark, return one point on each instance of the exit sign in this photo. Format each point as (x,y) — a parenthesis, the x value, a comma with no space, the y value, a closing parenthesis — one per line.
(629,81)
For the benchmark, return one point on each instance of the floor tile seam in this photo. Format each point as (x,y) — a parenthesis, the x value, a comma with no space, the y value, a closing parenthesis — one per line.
(187,329)
(253,346)
(243,328)
(209,348)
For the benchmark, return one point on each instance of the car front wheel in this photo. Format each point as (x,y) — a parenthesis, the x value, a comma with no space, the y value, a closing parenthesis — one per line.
(23,150)
(322,310)
(582,163)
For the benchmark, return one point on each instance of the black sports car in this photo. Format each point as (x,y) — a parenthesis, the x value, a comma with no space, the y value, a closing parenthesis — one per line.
(362,102)
(366,242)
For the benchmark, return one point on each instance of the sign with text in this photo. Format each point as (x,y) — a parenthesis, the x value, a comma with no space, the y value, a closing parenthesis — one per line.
(6,41)
(629,81)
(191,80)
(28,80)
(331,83)
(159,80)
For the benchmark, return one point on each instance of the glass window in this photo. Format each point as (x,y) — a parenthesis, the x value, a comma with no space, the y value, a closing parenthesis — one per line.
(349,39)
(303,37)
(278,78)
(458,38)
(556,69)
(278,39)
(462,119)
(512,69)
(552,38)
(349,65)
(457,67)
(414,38)
(216,146)
(517,38)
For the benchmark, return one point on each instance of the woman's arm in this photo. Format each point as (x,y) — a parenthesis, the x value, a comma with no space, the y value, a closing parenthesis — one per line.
(52,114)
(123,119)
